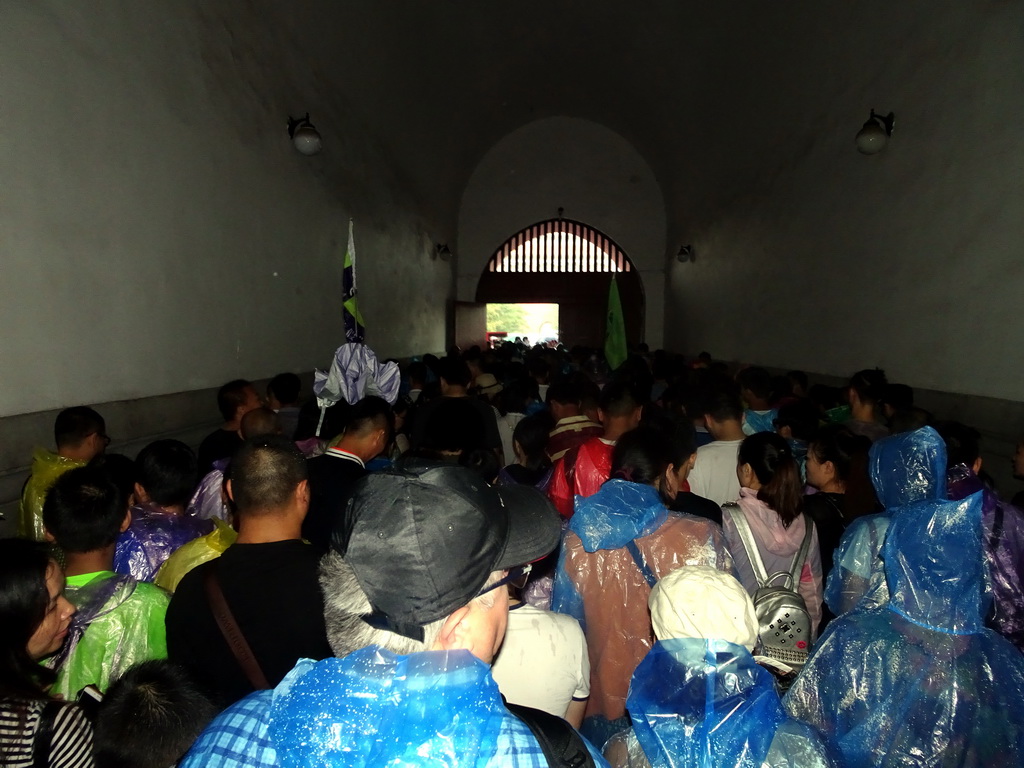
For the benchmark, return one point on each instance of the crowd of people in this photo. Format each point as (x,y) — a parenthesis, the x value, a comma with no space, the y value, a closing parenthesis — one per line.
(517,557)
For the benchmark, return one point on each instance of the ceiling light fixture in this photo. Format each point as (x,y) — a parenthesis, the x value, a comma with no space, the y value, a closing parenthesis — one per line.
(442,252)
(686,253)
(305,137)
(872,138)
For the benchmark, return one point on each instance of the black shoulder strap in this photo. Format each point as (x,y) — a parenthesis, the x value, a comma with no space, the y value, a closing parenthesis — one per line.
(562,746)
(44,735)
(641,563)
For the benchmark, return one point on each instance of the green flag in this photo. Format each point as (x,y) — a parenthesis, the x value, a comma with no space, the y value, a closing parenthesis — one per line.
(615,330)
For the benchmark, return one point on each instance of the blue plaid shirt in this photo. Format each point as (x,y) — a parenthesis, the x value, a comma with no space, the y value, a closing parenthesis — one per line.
(239,738)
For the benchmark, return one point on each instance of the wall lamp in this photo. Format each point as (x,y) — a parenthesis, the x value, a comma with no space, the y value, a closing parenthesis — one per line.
(872,138)
(686,253)
(442,252)
(305,137)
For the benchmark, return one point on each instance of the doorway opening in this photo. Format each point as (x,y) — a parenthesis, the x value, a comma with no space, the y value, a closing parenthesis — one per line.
(536,322)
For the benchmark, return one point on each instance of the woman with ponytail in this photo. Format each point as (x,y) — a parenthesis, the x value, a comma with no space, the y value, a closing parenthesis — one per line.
(771,503)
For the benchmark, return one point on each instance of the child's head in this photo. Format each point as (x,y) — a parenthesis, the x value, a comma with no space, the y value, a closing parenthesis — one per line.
(85,510)
(150,717)
(166,473)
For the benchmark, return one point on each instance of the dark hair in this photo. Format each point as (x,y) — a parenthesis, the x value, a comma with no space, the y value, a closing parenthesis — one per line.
(532,435)
(264,472)
(166,469)
(231,396)
(454,371)
(849,455)
(869,385)
(539,368)
(285,387)
(757,380)
(641,456)
(368,414)
(962,443)
(682,442)
(801,416)
(24,599)
(260,421)
(84,509)
(73,425)
(417,372)
(772,460)
(483,462)
(619,399)
(150,717)
(565,390)
(723,406)
(899,396)
(122,470)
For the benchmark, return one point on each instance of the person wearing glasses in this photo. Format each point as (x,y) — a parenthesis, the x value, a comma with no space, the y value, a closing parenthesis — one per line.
(81,436)
(416,609)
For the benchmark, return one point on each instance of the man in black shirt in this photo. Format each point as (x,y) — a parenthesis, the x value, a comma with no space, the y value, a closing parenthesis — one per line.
(456,421)
(234,399)
(268,579)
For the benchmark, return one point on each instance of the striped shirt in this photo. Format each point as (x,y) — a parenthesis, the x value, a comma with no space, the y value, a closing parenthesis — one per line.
(70,739)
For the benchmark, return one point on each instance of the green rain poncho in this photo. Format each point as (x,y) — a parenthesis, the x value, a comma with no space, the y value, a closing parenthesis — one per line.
(123,623)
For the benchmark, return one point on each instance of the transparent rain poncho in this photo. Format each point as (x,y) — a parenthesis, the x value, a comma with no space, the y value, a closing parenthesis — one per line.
(920,681)
(151,538)
(1004,546)
(707,704)
(119,623)
(598,582)
(194,554)
(905,468)
(47,466)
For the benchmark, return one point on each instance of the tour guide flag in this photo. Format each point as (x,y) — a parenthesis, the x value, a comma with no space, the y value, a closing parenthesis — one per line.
(615,330)
(354,330)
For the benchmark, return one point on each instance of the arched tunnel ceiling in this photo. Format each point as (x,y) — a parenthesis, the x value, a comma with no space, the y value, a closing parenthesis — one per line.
(699,88)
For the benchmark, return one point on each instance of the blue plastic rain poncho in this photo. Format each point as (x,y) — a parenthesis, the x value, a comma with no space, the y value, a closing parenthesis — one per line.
(905,468)
(920,681)
(153,536)
(599,582)
(1004,546)
(759,421)
(372,708)
(707,704)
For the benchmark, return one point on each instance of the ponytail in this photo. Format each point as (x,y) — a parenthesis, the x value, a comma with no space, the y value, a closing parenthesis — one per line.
(771,459)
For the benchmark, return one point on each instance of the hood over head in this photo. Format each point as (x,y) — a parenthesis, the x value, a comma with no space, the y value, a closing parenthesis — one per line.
(909,467)
(935,565)
(618,513)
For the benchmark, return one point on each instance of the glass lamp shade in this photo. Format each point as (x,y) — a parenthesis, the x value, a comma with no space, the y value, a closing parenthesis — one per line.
(307,140)
(871,138)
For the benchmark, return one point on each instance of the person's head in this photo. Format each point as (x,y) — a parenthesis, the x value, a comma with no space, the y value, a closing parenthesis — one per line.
(283,390)
(529,440)
(483,462)
(150,717)
(797,420)
(896,398)
(766,465)
(487,385)
(237,398)
(866,389)
(798,383)
(563,398)
(122,471)
(34,616)
(437,589)
(703,603)
(908,467)
(963,444)
(259,421)
(837,462)
(453,373)
(621,409)
(80,433)
(539,369)
(165,473)
(683,451)
(416,373)
(85,510)
(755,386)
(722,410)
(644,455)
(268,476)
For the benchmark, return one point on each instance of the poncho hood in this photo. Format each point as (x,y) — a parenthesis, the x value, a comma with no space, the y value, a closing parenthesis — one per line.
(618,513)
(909,467)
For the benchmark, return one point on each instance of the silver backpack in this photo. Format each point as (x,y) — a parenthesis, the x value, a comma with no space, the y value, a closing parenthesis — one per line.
(785,624)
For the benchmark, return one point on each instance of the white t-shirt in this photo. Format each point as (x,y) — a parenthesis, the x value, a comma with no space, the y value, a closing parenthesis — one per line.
(714,474)
(543,662)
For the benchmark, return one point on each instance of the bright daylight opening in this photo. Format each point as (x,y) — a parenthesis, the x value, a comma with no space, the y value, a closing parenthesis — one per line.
(538,322)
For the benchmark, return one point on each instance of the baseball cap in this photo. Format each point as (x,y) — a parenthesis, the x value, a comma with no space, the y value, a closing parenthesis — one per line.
(703,602)
(423,539)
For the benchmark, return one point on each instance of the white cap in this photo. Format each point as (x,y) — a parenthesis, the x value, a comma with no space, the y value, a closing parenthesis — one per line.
(705,603)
